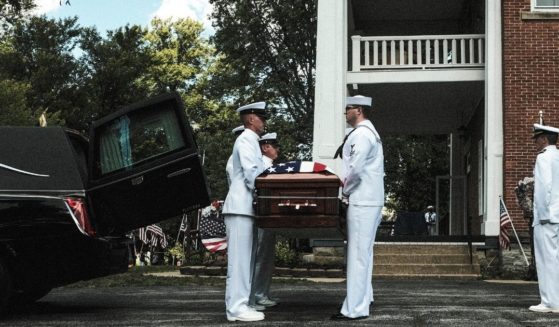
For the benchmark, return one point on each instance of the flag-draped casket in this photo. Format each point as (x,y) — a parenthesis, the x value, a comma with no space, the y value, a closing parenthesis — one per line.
(302,201)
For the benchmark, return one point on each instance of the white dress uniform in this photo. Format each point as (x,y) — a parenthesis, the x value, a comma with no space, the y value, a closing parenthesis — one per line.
(239,220)
(363,161)
(229,167)
(264,250)
(431,221)
(546,225)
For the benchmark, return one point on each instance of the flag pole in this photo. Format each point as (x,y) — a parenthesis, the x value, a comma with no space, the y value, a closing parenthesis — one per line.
(182,220)
(514,230)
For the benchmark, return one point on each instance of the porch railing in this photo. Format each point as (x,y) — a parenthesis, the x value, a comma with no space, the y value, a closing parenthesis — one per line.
(418,51)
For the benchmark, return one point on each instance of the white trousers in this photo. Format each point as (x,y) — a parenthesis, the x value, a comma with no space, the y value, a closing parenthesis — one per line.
(546,246)
(264,252)
(362,224)
(239,231)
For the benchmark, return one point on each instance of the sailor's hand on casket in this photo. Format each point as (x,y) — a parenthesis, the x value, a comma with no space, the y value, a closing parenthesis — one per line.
(345,200)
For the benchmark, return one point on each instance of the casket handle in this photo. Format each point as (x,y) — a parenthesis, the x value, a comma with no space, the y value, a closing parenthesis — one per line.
(296,205)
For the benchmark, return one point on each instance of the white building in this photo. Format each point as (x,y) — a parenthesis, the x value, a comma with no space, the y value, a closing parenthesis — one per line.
(432,67)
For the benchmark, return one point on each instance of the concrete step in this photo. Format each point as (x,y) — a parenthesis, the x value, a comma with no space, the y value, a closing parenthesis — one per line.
(390,258)
(425,269)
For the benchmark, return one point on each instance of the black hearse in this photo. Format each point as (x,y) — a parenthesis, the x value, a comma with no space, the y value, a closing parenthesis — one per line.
(66,202)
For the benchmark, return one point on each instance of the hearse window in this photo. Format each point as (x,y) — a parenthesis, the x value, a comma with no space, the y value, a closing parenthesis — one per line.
(137,137)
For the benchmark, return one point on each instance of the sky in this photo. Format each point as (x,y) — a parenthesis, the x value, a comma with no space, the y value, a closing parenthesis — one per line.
(111,14)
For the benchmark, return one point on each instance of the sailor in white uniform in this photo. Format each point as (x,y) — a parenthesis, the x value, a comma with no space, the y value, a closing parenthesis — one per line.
(363,191)
(546,217)
(264,239)
(229,167)
(239,213)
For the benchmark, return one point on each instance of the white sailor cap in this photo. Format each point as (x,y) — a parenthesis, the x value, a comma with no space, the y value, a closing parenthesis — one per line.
(257,108)
(238,130)
(540,129)
(269,138)
(359,100)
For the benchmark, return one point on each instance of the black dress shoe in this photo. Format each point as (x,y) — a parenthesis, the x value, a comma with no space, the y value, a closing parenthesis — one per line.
(339,316)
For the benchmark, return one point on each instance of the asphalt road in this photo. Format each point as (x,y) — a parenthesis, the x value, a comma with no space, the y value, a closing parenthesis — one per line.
(397,303)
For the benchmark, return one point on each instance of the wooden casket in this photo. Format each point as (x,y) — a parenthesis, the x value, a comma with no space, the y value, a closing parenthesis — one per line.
(299,204)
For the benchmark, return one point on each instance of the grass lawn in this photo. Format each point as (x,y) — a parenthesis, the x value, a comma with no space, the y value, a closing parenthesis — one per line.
(138,276)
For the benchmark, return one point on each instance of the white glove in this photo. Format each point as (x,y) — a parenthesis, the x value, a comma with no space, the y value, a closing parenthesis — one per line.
(345,199)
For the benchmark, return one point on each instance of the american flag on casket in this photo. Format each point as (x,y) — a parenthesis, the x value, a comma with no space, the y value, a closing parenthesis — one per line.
(212,228)
(297,166)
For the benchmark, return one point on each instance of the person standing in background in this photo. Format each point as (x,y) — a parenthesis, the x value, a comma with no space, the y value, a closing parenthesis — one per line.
(431,220)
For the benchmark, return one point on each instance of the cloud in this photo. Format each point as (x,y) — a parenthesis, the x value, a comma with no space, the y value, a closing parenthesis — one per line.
(195,9)
(45,6)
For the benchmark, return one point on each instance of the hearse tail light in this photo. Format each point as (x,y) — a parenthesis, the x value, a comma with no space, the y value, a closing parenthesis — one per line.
(79,211)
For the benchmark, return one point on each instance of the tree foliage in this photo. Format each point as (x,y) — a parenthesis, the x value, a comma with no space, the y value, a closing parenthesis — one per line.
(40,55)
(271,44)
(411,166)
(12,10)
(114,70)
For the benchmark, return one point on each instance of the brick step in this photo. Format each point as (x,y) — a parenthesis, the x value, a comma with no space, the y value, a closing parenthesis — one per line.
(384,258)
(429,269)
(428,276)
(386,248)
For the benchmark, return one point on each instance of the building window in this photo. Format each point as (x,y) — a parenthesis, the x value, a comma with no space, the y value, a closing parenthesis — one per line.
(545,5)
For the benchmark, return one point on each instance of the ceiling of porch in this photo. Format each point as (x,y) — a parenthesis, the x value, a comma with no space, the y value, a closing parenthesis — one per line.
(422,108)
(415,17)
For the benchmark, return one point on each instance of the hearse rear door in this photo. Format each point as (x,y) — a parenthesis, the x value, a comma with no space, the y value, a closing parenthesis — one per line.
(143,166)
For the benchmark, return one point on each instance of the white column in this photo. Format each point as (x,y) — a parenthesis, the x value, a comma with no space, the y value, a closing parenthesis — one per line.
(493,178)
(330,89)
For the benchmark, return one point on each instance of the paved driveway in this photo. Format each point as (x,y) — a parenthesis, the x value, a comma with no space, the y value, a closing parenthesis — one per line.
(398,303)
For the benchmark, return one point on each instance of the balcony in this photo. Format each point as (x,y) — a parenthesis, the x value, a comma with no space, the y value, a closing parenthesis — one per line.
(426,52)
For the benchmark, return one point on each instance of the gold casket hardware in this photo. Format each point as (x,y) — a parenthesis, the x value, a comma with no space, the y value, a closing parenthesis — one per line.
(296,205)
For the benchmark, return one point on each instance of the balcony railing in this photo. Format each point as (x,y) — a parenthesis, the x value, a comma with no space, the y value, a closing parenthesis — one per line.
(420,51)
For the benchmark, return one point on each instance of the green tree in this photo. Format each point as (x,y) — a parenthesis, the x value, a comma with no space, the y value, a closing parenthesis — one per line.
(115,70)
(13,106)
(40,55)
(271,44)
(11,11)
(411,166)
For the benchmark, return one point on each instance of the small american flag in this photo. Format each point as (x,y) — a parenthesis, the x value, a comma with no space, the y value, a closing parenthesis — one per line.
(152,235)
(296,166)
(504,239)
(212,229)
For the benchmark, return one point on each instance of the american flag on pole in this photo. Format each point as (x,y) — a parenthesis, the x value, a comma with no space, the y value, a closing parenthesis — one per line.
(153,235)
(504,239)
(212,228)
(143,235)
(296,166)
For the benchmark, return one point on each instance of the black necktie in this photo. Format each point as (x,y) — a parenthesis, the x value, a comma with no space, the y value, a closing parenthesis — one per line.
(339,151)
